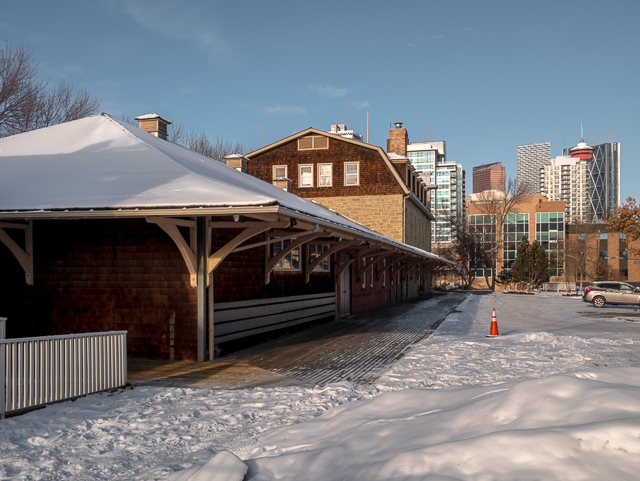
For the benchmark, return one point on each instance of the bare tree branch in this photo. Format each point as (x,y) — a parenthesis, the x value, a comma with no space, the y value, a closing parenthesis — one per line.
(27,103)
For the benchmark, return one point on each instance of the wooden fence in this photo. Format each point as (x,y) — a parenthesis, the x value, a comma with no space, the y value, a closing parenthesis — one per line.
(40,370)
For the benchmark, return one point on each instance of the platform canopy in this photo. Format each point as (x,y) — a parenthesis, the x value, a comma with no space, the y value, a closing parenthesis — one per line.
(102,167)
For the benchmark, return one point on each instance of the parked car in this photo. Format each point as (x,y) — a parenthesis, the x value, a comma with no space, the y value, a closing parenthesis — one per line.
(611,292)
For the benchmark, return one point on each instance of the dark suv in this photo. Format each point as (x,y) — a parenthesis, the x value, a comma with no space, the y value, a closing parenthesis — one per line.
(611,292)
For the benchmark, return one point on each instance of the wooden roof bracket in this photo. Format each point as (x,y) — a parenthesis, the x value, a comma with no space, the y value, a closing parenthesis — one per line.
(364,251)
(170,226)
(273,261)
(338,246)
(188,250)
(252,229)
(361,269)
(390,265)
(24,256)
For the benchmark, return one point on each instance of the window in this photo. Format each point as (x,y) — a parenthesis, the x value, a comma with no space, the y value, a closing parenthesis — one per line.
(291,261)
(315,250)
(279,171)
(313,142)
(324,175)
(351,173)
(371,276)
(306,176)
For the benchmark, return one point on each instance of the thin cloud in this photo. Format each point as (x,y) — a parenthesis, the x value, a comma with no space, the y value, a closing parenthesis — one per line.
(358,105)
(181,20)
(329,91)
(284,110)
(436,37)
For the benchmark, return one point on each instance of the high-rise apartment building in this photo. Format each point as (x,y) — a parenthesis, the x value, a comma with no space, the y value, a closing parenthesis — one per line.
(488,177)
(531,158)
(447,199)
(603,161)
(567,179)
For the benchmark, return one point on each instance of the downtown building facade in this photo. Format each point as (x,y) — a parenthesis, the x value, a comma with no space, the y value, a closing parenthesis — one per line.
(488,177)
(603,177)
(531,158)
(446,181)
(567,179)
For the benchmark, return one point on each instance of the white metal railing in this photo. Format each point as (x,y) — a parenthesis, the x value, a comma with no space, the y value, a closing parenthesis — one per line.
(39,370)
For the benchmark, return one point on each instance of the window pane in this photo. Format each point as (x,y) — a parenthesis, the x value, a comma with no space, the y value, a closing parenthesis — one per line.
(306,177)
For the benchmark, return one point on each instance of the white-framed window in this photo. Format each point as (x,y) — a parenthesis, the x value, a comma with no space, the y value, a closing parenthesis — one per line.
(314,251)
(279,171)
(351,173)
(306,175)
(325,178)
(291,261)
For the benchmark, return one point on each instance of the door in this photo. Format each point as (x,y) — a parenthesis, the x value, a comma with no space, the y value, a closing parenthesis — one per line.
(628,295)
(344,284)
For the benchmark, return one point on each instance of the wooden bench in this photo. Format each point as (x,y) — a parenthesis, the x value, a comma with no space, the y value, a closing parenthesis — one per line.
(234,320)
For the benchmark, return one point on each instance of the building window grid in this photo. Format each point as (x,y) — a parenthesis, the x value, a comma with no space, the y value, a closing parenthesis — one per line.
(550,234)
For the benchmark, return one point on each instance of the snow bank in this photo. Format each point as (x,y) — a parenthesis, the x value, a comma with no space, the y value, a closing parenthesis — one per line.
(569,426)
(554,397)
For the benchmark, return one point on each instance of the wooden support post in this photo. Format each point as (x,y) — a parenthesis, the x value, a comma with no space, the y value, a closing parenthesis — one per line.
(201,261)
(24,256)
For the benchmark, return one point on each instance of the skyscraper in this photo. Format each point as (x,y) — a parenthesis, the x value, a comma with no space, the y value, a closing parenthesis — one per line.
(531,158)
(488,177)
(603,170)
(447,201)
(567,178)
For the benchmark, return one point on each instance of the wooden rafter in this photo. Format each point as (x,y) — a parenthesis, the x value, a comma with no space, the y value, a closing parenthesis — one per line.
(251,229)
(338,246)
(363,252)
(273,261)
(24,256)
(392,263)
(376,257)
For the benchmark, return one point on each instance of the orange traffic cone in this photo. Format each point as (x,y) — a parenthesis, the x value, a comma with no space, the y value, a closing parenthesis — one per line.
(494,325)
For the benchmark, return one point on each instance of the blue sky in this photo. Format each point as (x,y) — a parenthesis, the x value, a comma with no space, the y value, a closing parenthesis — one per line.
(485,76)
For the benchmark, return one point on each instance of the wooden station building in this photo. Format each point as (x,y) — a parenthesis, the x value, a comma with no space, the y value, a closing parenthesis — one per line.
(104,226)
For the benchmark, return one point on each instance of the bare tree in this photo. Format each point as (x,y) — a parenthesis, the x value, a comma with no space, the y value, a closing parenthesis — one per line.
(198,141)
(27,103)
(467,250)
(498,204)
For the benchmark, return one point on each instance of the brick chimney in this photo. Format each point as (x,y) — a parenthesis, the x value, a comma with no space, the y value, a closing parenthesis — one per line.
(154,124)
(398,139)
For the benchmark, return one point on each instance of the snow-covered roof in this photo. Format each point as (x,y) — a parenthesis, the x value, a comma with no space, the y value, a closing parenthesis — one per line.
(103,164)
(150,116)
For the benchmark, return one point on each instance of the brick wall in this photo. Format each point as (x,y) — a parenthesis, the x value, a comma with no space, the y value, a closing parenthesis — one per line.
(417,227)
(383,214)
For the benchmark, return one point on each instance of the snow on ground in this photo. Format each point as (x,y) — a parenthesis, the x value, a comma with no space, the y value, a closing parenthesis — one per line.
(557,396)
